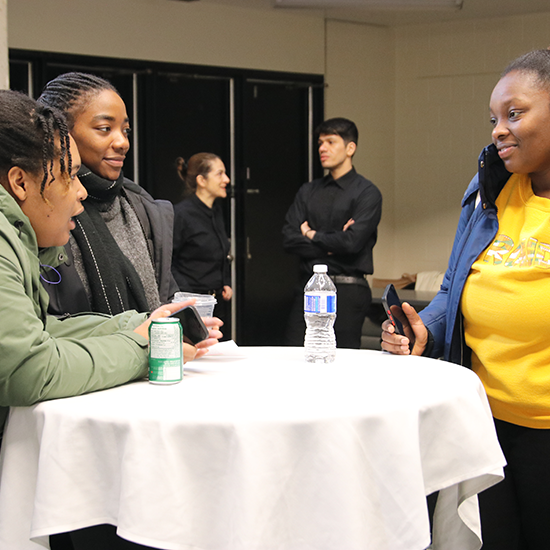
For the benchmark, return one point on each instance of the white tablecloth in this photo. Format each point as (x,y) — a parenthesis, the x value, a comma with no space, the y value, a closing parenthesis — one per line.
(261,452)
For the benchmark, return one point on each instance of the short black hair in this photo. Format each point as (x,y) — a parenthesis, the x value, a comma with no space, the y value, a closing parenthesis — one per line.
(29,133)
(342,127)
(70,92)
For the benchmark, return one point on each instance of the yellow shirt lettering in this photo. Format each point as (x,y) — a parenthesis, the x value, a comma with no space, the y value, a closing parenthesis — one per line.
(505,304)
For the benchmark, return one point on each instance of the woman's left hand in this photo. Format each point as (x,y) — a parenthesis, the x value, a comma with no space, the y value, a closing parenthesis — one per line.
(200,349)
(213,325)
(189,352)
(227,293)
(416,333)
(214,334)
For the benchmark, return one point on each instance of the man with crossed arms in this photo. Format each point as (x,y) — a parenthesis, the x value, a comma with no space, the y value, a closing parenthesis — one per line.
(333,220)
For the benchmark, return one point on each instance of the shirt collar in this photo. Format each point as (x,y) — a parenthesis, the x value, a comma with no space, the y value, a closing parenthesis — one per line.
(201,205)
(342,181)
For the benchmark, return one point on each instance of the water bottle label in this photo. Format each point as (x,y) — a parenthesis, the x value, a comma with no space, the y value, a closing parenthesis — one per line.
(320,302)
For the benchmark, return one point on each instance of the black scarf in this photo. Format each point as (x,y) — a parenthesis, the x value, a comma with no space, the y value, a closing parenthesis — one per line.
(114,283)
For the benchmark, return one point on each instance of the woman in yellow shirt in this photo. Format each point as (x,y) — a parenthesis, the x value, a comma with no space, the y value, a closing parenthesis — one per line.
(491,311)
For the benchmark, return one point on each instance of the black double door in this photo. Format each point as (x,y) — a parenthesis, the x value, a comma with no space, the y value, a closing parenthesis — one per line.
(276,151)
(262,130)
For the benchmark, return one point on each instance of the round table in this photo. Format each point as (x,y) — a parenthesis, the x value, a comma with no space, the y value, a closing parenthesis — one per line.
(258,450)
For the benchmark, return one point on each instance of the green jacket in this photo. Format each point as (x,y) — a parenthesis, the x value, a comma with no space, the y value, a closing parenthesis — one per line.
(42,357)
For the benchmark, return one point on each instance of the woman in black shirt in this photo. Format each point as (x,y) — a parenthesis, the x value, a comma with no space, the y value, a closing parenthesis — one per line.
(200,261)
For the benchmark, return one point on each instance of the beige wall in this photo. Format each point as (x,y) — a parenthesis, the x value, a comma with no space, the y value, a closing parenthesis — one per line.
(166,30)
(4,72)
(419,94)
(360,79)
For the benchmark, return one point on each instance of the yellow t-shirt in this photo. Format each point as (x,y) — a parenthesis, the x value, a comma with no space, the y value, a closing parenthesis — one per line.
(506,307)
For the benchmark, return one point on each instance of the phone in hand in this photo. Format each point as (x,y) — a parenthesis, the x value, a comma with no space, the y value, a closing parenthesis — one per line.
(193,328)
(392,303)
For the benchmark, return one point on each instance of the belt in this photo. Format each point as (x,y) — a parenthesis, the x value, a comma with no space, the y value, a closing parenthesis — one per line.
(349,280)
(215,293)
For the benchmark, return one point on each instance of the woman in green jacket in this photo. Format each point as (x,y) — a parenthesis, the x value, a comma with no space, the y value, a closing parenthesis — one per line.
(44,357)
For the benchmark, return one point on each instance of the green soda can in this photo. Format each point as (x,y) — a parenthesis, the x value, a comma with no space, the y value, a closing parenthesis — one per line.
(165,351)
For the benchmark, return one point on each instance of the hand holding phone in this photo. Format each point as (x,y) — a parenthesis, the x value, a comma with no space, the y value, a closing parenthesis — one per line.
(392,307)
(193,328)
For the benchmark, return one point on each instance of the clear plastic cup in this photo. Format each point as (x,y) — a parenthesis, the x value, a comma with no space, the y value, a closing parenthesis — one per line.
(205,302)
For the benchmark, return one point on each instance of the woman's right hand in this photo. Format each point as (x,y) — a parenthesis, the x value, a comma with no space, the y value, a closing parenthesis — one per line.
(416,333)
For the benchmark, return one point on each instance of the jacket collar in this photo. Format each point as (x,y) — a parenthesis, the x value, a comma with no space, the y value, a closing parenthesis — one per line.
(490,178)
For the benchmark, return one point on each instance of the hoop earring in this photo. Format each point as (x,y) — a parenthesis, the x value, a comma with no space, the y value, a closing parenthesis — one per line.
(46,280)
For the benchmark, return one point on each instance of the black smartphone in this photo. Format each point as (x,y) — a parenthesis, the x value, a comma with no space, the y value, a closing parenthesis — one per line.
(194,330)
(391,303)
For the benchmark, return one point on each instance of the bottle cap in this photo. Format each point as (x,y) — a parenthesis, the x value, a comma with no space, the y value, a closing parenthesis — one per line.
(320,268)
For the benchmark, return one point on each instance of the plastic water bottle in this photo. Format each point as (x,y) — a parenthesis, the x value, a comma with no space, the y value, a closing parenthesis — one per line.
(320,314)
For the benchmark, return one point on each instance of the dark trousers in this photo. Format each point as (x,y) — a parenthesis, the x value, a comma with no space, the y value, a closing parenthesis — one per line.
(515,513)
(222,310)
(352,304)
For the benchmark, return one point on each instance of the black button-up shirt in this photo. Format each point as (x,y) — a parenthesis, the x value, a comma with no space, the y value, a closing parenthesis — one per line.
(201,247)
(327,204)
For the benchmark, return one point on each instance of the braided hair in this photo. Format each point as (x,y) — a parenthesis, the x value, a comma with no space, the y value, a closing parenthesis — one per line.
(33,136)
(72,92)
(198,165)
